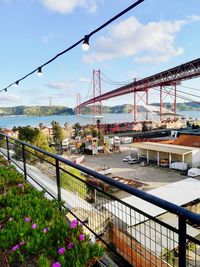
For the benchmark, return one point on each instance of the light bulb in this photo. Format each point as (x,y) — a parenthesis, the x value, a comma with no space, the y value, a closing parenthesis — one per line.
(16,84)
(85,44)
(39,73)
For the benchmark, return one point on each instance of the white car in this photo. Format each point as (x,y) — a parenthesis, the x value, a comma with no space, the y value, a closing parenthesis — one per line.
(144,163)
(133,161)
(127,158)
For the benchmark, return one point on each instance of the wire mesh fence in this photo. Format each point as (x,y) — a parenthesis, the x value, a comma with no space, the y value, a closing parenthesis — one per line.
(168,238)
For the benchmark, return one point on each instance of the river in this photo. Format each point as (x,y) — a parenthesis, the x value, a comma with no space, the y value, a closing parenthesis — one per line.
(11,121)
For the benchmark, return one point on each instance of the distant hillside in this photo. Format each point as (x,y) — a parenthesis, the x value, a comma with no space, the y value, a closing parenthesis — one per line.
(61,110)
(36,110)
(180,106)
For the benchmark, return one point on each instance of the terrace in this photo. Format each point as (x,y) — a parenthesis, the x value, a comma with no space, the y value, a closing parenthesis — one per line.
(130,231)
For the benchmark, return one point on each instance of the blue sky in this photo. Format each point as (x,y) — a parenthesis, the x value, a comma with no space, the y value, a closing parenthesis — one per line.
(154,36)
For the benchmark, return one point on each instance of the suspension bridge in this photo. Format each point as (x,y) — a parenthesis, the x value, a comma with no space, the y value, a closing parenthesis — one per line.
(165,82)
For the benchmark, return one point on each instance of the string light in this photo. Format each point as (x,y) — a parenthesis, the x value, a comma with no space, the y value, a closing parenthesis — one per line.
(85,44)
(39,73)
(84,41)
(16,84)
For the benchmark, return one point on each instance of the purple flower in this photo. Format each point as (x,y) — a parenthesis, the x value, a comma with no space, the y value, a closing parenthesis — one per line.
(61,251)
(81,237)
(20,185)
(22,243)
(56,264)
(27,219)
(73,224)
(34,225)
(15,247)
(70,245)
(45,230)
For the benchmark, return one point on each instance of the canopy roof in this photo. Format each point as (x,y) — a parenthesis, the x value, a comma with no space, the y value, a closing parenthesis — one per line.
(167,148)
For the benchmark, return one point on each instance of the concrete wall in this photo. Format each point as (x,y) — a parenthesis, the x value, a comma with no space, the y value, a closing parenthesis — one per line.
(196,158)
(134,252)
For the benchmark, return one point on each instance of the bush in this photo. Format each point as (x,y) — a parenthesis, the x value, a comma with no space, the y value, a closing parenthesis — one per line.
(34,230)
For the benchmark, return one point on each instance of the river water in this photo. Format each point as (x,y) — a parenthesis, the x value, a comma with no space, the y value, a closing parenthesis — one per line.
(11,121)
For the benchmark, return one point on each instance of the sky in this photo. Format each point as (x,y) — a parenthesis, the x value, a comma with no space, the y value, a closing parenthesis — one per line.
(154,36)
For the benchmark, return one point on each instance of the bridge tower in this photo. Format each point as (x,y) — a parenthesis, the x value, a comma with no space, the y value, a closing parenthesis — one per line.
(168,89)
(139,96)
(78,102)
(97,107)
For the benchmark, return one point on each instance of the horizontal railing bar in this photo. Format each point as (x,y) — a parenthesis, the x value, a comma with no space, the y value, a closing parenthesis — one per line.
(173,208)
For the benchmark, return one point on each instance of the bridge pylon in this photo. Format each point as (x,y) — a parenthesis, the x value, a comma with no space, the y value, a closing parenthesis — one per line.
(97,106)
(139,96)
(78,102)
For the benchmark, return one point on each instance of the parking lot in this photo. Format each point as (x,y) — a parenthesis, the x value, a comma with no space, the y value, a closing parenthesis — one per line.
(153,175)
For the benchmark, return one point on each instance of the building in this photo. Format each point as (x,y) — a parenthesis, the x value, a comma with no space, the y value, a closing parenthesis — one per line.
(160,152)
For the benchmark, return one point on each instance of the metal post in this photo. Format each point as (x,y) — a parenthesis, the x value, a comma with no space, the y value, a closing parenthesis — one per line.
(24,161)
(160,103)
(7,144)
(135,104)
(175,101)
(182,241)
(94,93)
(58,180)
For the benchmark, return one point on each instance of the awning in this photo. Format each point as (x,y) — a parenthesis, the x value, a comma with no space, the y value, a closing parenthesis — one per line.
(167,148)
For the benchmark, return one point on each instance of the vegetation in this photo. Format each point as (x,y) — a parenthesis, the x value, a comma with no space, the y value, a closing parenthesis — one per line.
(61,110)
(57,134)
(73,184)
(34,232)
(36,110)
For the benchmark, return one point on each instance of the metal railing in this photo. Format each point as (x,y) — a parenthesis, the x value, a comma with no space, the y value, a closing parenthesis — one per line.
(168,239)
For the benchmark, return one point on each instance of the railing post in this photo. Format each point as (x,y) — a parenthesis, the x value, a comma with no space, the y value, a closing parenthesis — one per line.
(24,161)
(58,180)
(182,241)
(7,144)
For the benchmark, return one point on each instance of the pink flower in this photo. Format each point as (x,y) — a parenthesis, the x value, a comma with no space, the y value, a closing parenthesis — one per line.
(20,185)
(61,251)
(70,245)
(15,247)
(56,264)
(73,224)
(34,225)
(45,230)
(22,243)
(27,219)
(82,237)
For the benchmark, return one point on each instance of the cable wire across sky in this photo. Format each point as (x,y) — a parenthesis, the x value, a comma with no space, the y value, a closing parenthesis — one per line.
(84,40)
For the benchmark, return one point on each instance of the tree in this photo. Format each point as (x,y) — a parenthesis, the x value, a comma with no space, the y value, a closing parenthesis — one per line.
(57,134)
(144,127)
(77,129)
(41,126)
(27,134)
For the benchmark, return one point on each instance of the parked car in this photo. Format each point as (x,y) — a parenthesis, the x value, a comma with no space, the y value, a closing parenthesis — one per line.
(143,163)
(127,158)
(133,161)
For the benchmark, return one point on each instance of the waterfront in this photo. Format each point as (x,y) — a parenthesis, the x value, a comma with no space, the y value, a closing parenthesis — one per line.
(11,121)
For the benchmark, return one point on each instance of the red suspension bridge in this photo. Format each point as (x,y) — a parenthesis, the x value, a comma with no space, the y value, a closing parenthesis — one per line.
(166,82)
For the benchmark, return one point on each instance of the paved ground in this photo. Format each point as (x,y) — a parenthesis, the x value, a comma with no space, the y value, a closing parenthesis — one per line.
(153,175)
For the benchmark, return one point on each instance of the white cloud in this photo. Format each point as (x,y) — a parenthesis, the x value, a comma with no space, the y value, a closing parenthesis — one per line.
(60,85)
(68,6)
(46,38)
(151,42)
(84,80)
(9,98)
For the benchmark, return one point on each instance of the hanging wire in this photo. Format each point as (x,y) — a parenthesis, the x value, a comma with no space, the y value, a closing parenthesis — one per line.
(77,43)
(181,97)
